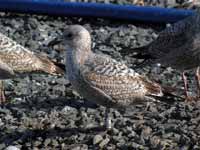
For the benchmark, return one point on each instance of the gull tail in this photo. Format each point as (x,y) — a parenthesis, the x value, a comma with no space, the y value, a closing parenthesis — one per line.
(50,66)
(158,90)
(152,88)
(173,91)
(162,93)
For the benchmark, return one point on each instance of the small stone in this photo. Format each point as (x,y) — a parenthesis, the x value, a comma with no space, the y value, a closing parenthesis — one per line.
(37,143)
(97,139)
(146,132)
(54,143)
(80,147)
(115,131)
(66,109)
(2,146)
(47,142)
(155,141)
(1,122)
(12,148)
(104,142)
(185,147)
(137,146)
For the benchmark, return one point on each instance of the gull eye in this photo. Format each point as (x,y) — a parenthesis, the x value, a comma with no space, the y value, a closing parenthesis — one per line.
(69,35)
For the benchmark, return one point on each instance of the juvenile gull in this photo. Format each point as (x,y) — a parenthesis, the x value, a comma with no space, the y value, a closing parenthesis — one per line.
(177,46)
(101,79)
(15,59)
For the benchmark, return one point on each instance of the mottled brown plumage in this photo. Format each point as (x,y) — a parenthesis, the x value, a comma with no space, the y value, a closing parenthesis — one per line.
(15,59)
(101,79)
(177,46)
(18,59)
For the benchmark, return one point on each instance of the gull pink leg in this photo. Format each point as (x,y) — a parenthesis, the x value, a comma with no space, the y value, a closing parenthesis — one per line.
(187,97)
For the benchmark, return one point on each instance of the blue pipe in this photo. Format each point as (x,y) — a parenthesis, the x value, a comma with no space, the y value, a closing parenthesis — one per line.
(112,11)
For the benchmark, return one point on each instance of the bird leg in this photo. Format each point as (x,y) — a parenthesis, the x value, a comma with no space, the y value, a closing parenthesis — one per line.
(108,123)
(198,82)
(2,93)
(187,97)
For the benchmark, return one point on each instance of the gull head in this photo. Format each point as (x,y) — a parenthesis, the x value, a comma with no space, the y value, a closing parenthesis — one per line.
(76,37)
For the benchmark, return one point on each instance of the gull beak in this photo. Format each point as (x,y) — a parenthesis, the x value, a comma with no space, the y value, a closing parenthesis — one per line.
(59,39)
(58,43)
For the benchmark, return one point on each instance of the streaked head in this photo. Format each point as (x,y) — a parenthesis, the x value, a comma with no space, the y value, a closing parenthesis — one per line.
(77,37)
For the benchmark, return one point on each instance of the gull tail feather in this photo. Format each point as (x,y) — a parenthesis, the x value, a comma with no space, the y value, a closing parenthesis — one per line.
(153,88)
(162,93)
(165,91)
(50,66)
(173,91)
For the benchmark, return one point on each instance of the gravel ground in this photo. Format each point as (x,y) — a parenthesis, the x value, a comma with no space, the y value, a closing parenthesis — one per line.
(45,113)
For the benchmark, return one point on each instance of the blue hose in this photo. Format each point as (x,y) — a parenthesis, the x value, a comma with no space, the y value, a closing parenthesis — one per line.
(112,11)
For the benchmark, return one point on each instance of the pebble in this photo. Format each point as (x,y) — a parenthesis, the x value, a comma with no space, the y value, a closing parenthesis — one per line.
(104,142)
(97,139)
(12,148)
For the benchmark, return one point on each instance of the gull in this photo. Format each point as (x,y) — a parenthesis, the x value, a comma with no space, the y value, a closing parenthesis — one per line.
(178,46)
(16,59)
(100,78)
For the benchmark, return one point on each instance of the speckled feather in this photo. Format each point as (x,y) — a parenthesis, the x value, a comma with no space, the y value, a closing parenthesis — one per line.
(17,59)
(102,79)
(178,45)
(117,80)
